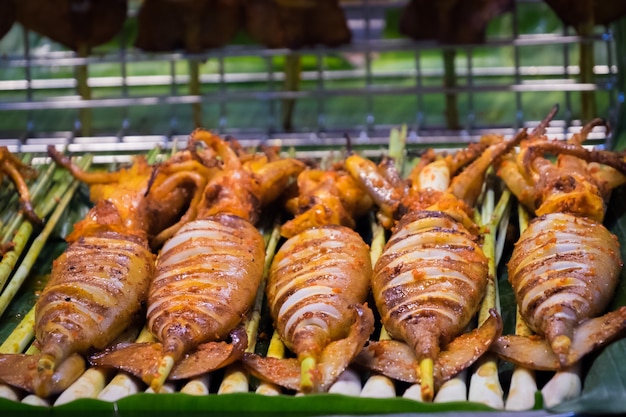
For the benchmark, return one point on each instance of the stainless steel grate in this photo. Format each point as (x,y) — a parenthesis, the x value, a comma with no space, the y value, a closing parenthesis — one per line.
(139,99)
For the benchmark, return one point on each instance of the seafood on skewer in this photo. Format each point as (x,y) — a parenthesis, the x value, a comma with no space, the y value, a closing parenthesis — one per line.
(99,284)
(566,264)
(429,281)
(18,172)
(318,284)
(208,272)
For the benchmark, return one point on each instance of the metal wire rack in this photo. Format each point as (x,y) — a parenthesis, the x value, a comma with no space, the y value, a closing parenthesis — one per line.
(509,81)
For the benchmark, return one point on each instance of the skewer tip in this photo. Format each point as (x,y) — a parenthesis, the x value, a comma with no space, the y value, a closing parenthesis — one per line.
(427,381)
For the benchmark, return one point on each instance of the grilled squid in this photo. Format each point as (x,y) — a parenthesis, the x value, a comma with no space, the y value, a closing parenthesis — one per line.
(208,271)
(431,277)
(566,265)
(98,285)
(318,284)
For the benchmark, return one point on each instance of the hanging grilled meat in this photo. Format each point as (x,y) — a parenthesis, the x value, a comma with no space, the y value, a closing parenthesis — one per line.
(566,264)
(451,21)
(318,284)
(100,283)
(432,275)
(75,24)
(7,16)
(189,25)
(208,272)
(296,23)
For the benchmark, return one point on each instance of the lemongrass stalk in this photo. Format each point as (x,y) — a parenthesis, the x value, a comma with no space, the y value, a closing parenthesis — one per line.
(9,393)
(91,383)
(397,146)
(25,230)
(276,349)
(348,383)
(32,399)
(454,389)
(31,256)
(566,384)
(88,385)
(124,384)
(485,384)
(378,386)
(168,387)
(523,383)
(414,392)
(41,185)
(235,378)
(21,336)
(197,386)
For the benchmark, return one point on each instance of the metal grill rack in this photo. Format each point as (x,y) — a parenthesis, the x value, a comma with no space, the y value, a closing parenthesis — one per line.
(510,81)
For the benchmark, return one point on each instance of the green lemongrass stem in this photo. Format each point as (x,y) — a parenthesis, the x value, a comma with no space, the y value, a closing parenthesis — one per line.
(397,146)
(31,256)
(124,384)
(276,349)
(485,384)
(153,155)
(523,383)
(25,230)
(236,378)
(41,185)
(378,386)
(21,336)
(17,341)
(163,371)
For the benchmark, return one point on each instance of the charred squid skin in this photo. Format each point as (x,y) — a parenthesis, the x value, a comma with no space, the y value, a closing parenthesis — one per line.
(314,278)
(207,278)
(95,291)
(564,270)
(429,281)
(317,287)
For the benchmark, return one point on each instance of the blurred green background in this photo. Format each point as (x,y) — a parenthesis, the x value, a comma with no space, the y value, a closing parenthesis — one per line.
(484,101)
